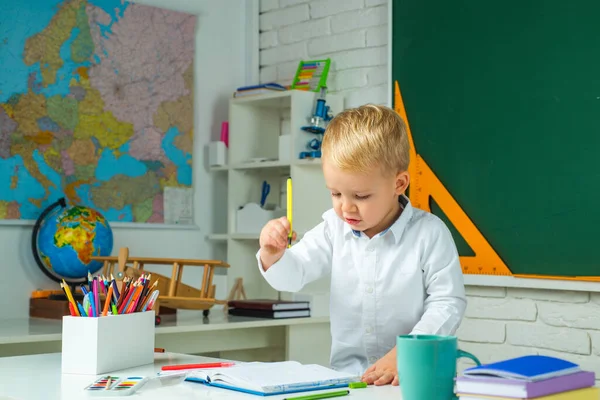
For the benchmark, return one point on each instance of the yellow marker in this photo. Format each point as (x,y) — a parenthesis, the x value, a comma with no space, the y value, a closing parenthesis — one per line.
(289,209)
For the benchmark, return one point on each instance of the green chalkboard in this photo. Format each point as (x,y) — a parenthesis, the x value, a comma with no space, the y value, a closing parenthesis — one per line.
(503,99)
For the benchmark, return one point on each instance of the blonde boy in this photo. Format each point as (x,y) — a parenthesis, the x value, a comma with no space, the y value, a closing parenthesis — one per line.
(394,268)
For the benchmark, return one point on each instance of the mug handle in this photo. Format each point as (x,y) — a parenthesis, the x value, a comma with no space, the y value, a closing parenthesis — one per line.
(466,354)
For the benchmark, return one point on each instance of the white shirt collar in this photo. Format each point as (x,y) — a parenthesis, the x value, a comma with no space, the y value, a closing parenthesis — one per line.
(397,227)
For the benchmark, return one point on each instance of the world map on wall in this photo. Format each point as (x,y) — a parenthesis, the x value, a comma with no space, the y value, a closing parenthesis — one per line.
(96,106)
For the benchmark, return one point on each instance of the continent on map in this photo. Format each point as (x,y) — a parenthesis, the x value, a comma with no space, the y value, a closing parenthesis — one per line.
(7,126)
(123,190)
(98,107)
(44,48)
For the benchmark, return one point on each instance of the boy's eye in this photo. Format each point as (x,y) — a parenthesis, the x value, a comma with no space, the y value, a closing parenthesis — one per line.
(335,194)
(363,197)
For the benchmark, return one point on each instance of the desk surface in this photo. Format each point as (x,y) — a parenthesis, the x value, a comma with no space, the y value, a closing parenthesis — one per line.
(39,377)
(26,330)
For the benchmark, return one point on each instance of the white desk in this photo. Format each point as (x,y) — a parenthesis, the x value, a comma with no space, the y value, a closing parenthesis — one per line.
(37,377)
(219,335)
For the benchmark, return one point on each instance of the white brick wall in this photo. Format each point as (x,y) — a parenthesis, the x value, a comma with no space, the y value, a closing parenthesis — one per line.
(353,33)
(508,322)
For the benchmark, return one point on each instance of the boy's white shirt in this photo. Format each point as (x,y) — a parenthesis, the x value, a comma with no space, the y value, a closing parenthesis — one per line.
(405,280)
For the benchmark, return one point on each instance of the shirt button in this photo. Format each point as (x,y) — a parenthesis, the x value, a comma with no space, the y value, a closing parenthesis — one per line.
(370,249)
(372,359)
(369,329)
(369,289)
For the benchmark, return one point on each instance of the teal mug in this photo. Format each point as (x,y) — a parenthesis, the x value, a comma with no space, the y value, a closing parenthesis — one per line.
(427,366)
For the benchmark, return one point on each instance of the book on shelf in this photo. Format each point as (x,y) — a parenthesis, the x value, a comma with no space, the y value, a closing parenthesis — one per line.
(258,89)
(243,312)
(527,377)
(267,304)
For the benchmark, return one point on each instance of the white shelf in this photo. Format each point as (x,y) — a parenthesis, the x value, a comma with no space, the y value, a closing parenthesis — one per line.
(221,237)
(313,162)
(244,236)
(275,99)
(261,165)
(217,237)
(255,126)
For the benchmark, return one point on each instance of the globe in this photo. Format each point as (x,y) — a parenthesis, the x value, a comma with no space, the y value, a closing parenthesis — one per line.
(65,238)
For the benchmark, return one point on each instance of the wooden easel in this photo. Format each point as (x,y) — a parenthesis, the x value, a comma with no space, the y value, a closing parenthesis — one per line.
(237,292)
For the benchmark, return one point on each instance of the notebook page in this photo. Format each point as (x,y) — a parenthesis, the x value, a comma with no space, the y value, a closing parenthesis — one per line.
(281,376)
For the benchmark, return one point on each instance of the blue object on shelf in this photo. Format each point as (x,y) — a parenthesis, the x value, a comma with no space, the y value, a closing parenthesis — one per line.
(310,154)
(322,115)
(318,123)
(266,189)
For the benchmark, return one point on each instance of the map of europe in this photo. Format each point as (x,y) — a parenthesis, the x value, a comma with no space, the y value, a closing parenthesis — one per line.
(96,105)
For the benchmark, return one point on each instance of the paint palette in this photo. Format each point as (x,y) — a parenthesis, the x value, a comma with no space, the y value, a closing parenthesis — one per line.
(115,386)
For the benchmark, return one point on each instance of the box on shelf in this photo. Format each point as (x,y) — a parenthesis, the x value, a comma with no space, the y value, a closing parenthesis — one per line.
(251,218)
(48,308)
(96,345)
(285,148)
(217,154)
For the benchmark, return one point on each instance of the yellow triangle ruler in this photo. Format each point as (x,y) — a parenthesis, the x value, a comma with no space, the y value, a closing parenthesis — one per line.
(426,185)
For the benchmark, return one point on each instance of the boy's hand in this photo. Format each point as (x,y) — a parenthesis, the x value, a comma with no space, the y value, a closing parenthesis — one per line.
(383,372)
(274,240)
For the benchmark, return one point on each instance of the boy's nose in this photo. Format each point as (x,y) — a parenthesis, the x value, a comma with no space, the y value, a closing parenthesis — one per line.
(348,207)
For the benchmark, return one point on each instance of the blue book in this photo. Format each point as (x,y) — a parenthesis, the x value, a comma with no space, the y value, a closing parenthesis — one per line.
(275,378)
(270,85)
(528,368)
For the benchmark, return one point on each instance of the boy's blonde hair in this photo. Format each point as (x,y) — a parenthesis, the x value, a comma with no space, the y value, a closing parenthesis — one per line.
(358,139)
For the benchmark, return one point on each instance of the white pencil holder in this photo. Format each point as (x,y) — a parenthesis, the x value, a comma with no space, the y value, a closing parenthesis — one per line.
(93,346)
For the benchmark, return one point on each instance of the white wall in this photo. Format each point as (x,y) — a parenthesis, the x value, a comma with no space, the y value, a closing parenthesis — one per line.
(508,322)
(220,66)
(500,322)
(353,33)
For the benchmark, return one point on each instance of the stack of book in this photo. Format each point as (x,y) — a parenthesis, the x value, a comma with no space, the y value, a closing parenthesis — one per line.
(528,377)
(263,308)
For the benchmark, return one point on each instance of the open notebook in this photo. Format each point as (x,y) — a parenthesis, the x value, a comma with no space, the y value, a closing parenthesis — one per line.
(273,378)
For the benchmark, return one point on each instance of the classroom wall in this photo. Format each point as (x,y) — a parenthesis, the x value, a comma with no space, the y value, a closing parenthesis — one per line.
(220,66)
(353,33)
(509,322)
(500,322)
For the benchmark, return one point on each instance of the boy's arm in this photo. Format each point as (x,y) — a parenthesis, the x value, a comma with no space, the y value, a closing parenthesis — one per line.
(445,300)
(306,261)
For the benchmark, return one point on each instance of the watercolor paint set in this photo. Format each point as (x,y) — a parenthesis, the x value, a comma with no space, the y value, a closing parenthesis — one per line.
(115,386)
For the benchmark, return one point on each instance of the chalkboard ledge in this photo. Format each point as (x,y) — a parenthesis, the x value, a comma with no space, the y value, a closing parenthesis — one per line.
(551,284)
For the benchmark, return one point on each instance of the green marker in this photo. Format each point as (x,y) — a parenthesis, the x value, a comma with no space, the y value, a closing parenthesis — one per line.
(325,395)
(357,385)
(114,310)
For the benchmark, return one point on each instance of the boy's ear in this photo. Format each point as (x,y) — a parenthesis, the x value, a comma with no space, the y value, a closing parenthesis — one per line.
(402,181)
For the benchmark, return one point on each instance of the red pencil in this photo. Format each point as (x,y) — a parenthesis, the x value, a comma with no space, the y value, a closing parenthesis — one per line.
(196,366)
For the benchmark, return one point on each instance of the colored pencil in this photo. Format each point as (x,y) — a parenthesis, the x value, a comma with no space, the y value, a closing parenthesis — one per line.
(107,301)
